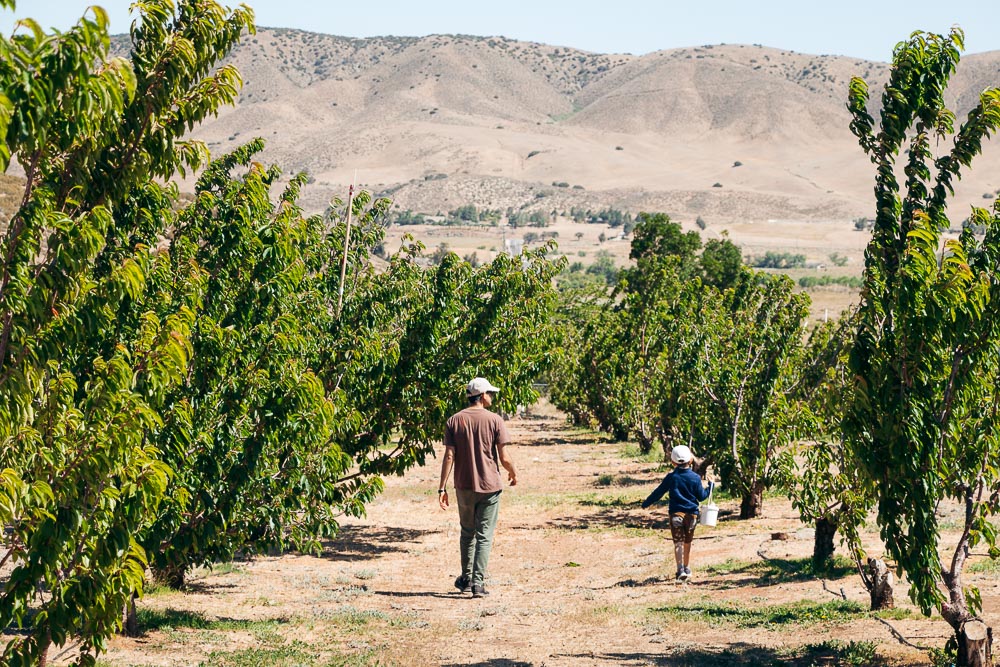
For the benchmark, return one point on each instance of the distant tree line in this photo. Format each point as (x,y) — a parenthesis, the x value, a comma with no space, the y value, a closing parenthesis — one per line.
(807,282)
(779,260)
(608,216)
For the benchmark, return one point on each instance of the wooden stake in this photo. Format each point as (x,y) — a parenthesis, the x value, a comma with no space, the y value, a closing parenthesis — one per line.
(347,243)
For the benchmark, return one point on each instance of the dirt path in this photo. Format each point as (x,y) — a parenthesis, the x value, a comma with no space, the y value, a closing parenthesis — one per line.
(579,576)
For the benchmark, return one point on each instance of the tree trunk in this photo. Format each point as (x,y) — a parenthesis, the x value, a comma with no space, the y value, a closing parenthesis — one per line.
(43,649)
(646,441)
(172,576)
(667,435)
(975,644)
(823,543)
(881,590)
(700,466)
(752,502)
(130,620)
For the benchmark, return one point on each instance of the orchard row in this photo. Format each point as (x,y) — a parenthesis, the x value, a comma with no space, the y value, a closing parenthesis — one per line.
(183,380)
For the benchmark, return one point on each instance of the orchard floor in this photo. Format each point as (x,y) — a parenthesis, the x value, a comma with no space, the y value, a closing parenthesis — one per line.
(580,575)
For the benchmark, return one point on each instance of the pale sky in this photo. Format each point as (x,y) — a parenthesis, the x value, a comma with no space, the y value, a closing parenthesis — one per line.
(863,29)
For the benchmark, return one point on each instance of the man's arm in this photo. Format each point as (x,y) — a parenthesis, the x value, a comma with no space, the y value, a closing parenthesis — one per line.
(447,463)
(508,464)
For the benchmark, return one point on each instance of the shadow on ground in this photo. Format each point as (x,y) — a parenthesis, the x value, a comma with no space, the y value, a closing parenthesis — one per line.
(207,587)
(615,516)
(495,662)
(625,480)
(740,655)
(619,513)
(553,440)
(354,543)
(159,619)
(453,595)
(635,583)
(737,574)
(546,434)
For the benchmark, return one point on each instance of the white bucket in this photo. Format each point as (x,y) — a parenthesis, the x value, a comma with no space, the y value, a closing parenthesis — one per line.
(708,512)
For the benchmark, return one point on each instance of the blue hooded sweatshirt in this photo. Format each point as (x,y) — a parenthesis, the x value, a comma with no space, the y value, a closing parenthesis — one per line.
(685,489)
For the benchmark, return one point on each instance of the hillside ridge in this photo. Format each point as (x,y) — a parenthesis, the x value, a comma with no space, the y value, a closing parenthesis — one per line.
(761,132)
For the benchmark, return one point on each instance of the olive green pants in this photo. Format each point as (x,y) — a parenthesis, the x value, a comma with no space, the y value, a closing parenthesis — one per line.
(477,514)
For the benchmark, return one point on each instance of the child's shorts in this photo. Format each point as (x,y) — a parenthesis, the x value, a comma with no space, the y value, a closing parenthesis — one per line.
(682,526)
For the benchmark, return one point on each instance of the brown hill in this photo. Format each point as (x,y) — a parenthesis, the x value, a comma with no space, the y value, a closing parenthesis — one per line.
(738,132)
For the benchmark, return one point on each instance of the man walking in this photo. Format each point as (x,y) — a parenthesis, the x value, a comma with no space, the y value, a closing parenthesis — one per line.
(474,441)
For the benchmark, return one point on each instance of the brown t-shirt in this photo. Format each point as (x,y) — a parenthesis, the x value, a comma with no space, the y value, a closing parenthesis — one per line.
(476,435)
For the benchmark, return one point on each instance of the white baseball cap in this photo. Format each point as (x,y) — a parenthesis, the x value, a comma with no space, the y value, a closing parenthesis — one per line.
(479,386)
(681,454)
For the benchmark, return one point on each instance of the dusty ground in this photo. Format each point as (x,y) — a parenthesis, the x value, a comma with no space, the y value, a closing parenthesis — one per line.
(579,576)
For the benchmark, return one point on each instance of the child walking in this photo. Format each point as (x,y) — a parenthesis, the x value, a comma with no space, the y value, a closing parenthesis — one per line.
(685,488)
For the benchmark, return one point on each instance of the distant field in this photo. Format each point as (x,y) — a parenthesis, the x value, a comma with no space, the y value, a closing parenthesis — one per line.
(816,240)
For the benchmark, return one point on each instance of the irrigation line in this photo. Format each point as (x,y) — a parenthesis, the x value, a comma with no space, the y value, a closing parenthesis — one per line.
(66,650)
(765,557)
(895,633)
(760,551)
(834,593)
(899,636)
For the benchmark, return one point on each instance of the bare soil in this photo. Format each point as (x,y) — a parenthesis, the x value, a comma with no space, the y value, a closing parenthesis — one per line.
(579,575)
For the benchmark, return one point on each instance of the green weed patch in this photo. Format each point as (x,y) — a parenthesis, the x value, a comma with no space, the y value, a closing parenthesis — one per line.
(621,480)
(295,654)
(605,500)
(355,618)
(985,566)
(291,655)
(732,614)
(828,653)
(162,619)
(631,451)
(782,570)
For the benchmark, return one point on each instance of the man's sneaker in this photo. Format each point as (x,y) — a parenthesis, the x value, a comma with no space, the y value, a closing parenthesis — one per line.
(478,591)
(683,574)
(680,574)
(463,584)
(687,571)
